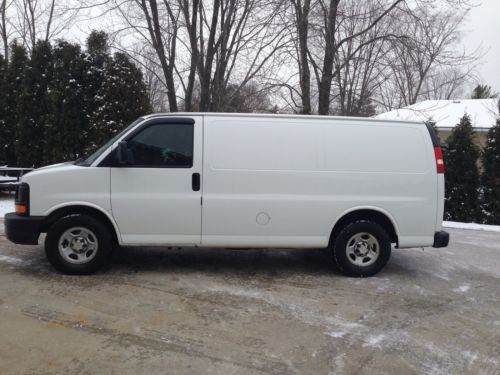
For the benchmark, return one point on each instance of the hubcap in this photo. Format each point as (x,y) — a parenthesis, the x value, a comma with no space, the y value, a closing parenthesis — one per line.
(78,245)
(362,249)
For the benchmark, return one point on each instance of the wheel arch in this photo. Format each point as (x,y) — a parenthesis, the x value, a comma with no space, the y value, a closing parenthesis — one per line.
(374,214)
(81,208)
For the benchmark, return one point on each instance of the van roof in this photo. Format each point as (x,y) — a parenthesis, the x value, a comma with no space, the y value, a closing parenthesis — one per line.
(289,116)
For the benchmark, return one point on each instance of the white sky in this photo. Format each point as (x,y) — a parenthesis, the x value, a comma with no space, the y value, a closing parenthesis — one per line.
(483,29)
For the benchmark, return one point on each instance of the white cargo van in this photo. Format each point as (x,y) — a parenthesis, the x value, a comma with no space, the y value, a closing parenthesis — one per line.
(353,185)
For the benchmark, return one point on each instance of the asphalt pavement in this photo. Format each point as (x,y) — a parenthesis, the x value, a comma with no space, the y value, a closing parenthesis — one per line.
(187,311)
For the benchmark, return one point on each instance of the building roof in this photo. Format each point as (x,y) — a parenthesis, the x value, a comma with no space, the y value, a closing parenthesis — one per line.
(447,113)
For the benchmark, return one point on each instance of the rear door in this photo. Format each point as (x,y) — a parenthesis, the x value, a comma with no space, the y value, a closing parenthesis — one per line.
(156,197)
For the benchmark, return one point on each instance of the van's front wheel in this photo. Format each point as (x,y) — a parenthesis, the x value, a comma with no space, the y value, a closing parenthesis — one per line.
(362,248)
(78,244)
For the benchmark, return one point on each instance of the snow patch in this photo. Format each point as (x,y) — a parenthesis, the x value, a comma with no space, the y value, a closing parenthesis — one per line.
(336,334)
(462,288)
(335,326)
(374,341)
(471,226)
(470,356)
(422,291)
(11,260)
(339,364)
(6,205)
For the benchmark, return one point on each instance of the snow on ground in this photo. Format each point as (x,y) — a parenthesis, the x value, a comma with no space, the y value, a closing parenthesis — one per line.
(13,260)
(471,226)
(6,204)
(462,289)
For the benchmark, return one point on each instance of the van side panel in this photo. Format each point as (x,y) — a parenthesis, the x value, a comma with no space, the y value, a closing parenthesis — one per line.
(284,182)
(61,185)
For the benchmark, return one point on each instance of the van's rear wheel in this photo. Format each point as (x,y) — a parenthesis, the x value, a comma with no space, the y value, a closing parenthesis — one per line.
(362,248)
(78,244)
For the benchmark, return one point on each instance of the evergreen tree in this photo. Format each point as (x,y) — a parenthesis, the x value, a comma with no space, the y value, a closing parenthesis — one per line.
(491,176)
(124,98)
(3,136)
(60,100)
(462,174)
(483,92)
(34,106)
(66,123)
(97,59)
(366,107)
(11,90)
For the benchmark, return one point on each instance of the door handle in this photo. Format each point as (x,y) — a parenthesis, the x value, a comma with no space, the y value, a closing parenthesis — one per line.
(195,181)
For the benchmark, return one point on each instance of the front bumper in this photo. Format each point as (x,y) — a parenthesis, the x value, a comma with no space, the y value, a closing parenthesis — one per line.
(441,239)
(23,230)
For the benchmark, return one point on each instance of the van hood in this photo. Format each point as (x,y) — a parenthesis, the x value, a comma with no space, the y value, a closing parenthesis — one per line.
(52,166)
(49,169)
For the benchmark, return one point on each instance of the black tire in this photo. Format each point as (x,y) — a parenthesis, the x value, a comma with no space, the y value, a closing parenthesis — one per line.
(98,229)
(341,253)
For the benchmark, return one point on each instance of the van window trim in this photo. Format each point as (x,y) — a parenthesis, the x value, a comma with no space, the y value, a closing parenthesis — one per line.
(432,133)
(108,160)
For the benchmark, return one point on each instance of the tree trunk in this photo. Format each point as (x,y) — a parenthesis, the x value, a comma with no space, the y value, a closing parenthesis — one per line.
(4,32)
(325,83)
(156,36)
(206,72)
(302,19)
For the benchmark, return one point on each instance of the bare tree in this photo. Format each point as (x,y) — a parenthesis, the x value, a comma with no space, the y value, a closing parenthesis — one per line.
(446,83)
(324,56)
(320,43)
(30,20)
(166,54)
(427,61)
(347,45)
(301,11)
(154,26)
(153,78)
(205,45)
(4,29)
(326,68)
(359,71)
(230,41)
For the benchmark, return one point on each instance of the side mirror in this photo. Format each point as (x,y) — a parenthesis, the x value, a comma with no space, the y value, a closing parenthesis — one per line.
(122,153)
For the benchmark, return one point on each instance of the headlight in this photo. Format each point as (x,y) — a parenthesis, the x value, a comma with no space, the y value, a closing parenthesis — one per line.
(22,199)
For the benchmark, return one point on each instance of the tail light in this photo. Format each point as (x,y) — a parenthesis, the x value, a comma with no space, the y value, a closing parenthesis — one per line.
(439,160)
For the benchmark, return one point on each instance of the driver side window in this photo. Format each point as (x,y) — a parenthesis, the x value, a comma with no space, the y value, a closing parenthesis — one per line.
(162,146)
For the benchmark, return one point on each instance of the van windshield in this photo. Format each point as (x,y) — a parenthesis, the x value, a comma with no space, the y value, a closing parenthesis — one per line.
(87,161)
